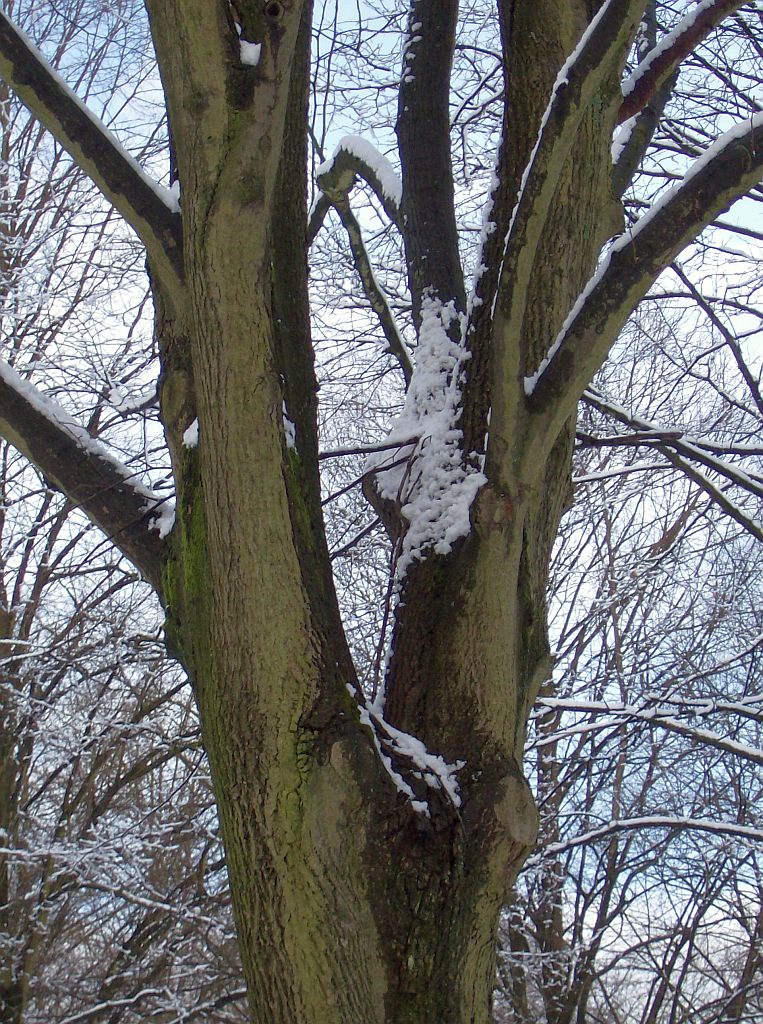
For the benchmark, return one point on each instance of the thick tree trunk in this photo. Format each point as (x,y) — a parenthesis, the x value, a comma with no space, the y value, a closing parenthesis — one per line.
(350,905)
(359,899)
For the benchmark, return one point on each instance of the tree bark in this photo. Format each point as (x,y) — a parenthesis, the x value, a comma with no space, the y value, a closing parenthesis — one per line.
(353,902)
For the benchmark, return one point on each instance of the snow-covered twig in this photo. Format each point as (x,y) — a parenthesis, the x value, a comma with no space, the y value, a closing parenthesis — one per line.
(722,828)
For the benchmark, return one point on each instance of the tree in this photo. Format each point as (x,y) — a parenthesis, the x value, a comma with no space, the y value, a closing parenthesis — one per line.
(642,901)
(370,839)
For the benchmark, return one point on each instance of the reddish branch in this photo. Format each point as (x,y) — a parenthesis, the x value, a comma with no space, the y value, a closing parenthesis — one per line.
(661,63)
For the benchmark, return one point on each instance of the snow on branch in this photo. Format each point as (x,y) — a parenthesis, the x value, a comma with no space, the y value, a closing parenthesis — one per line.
(645,431)
(726,170)
(721,828)
(734,511)
(663,59)
(407,761)
(355,156)
(336,178)
(681,451)
(601,49)
(150,209)
(133,517)
(656,715)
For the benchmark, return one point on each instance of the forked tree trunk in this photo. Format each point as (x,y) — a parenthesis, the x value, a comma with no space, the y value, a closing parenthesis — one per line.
(350,905)
(356,903)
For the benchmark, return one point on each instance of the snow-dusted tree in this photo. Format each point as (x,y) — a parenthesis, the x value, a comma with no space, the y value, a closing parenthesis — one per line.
(643,899)
(370,841)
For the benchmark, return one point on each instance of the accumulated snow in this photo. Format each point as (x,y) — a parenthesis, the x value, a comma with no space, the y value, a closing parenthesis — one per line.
(250,52)
(191,435)
(428,477)
(432,769)
(289,429)
(664,44)
(737,131)
(622,137)
(379,165)
(164,520)
(486,230)
(173,194)
(409,53)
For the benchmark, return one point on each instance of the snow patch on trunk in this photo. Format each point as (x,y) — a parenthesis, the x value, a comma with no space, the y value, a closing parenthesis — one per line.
(428,477)
(191,435)
(289,429)
(249,52)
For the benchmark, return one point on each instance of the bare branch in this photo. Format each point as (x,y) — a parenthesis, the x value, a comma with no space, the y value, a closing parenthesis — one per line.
(752,526)
(146,206)
(80,468)
(373,290)
(747,374)
(336,178)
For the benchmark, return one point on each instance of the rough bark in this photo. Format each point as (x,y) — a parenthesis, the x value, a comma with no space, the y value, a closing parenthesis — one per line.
(352,906)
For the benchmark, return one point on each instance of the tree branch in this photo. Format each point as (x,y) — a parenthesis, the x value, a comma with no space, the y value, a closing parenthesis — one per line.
(747,375)
(356,157)
(652,821)
(316,217)
(648,433)
(728,169)
(599,53)
(661,63)
(373,291)
(336,178)
(78,466)
(146,206)
(428,221)
(752,526)
(633,139)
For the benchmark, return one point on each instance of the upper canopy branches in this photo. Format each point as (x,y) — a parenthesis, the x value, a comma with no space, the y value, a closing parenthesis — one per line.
(239,105)
(728,169)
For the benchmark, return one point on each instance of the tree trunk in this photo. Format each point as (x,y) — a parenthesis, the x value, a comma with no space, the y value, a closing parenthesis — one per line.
(350,905)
